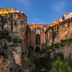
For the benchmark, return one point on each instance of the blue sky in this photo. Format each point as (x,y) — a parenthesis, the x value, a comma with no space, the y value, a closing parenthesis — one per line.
(40,11)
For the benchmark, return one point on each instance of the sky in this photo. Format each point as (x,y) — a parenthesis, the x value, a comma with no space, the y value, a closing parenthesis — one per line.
(40,11)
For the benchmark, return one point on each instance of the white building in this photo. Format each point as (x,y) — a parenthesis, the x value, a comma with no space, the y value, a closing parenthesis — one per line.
(67,15)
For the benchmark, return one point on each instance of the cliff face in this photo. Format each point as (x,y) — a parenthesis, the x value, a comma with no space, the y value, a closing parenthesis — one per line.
(11,34)
(59,31)
(59,37)
(16,37)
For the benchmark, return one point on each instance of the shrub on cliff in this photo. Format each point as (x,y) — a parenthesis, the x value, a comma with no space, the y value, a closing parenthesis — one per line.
(60,66)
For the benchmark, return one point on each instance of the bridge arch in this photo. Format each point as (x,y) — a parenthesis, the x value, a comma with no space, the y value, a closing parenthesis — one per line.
(40,28)
(37,36)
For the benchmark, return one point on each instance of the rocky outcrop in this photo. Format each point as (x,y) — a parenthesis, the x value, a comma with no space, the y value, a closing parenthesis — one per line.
(58,32)
(11,35)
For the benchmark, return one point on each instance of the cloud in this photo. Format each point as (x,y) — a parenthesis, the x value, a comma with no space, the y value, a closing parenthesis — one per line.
(58,7)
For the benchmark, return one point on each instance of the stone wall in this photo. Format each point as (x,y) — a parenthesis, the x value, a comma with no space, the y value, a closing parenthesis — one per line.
(58,32)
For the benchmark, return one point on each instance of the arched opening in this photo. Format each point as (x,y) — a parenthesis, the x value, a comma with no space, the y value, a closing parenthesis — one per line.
(37,37)
(44,28)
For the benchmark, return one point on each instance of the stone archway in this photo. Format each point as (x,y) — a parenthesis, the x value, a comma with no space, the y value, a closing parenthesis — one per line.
(34,28)
(37,37)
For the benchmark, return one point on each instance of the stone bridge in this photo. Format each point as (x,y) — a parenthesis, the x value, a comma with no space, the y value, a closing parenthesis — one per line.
(42,28)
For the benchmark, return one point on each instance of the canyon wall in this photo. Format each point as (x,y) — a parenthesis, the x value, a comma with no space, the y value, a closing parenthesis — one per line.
(59,31)
(12,29)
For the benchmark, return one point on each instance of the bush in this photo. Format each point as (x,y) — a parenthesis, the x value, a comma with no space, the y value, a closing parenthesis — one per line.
(60,66)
